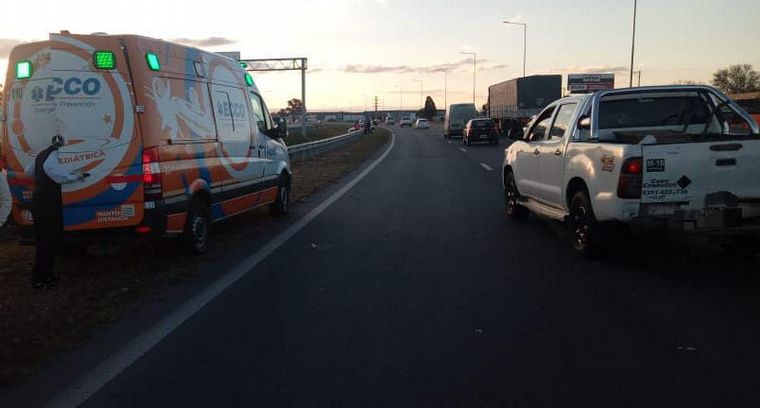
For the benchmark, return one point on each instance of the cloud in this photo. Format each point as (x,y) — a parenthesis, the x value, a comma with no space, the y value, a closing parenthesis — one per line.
(592,69)
(497,66)
(406,69)
(6,45)
(205,42)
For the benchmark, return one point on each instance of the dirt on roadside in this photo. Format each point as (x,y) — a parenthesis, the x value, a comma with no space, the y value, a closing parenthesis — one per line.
(101,289)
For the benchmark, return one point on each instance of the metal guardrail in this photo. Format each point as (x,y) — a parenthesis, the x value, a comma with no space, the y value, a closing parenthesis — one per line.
(310,149)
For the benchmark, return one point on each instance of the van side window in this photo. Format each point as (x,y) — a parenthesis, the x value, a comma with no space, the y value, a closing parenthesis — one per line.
(539,131)
(260,115)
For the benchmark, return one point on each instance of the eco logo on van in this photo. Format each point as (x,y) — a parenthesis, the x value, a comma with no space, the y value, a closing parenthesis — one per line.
(91,110)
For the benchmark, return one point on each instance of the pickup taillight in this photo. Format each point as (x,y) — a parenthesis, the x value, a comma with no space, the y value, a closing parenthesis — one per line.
(152,179)
(629,184)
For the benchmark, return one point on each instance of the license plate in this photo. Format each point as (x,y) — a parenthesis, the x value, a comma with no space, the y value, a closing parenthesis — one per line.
(484,136)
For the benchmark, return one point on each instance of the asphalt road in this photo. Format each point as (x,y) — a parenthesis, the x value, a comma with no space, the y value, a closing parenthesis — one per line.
(412,290)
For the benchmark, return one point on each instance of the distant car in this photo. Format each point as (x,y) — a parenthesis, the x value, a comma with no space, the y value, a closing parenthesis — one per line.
(480,130)
(406,121)
(422,124)
(390,121)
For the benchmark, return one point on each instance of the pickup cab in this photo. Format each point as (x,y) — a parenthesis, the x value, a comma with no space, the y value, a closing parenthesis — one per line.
(682,159)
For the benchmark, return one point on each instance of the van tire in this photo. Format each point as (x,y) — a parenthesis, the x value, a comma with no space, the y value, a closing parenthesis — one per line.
(585,232)
(195,237)
(281,207)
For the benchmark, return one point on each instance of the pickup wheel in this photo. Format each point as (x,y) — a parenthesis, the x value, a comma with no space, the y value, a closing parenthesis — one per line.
(512,200)
(194,238)
(584,229)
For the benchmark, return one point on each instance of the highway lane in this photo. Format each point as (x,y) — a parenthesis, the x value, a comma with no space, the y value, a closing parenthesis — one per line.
(413,290)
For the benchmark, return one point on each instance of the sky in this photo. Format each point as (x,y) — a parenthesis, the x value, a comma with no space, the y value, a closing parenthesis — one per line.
(394,49)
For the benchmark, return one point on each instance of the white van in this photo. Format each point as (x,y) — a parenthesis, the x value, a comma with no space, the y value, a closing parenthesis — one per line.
(457,116)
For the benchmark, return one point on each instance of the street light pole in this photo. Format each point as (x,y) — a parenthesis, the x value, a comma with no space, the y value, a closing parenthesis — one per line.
(474,71)
(401,101)
(525,40)
(422,106)
(633,40)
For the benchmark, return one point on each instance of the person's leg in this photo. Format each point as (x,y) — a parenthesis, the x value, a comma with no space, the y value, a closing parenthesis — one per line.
(45,241)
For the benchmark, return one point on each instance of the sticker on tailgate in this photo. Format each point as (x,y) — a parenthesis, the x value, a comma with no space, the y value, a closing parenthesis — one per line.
(663,189)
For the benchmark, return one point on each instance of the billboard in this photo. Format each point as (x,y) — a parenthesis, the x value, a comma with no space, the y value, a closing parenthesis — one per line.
(586,83)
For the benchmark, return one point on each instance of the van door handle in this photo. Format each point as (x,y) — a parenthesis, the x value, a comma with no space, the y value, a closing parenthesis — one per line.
(725,162)
(537,152)
(558,152)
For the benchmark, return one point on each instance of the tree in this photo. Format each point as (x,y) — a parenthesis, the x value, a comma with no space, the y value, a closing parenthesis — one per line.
(738,78)
(295,107)
(429,111)
(282,112)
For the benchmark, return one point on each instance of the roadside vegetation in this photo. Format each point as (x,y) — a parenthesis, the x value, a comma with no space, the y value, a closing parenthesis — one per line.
(100,289)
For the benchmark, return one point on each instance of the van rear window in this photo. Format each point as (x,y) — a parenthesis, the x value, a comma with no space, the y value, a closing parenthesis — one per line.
(651,112)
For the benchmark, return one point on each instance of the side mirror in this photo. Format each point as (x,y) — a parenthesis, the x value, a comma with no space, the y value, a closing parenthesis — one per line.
(282,128)
(584,123)
(517,134)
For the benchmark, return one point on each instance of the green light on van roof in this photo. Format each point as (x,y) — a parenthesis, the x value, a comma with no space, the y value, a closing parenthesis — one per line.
(248,79)
(23,69)
(153,62)
(104,59)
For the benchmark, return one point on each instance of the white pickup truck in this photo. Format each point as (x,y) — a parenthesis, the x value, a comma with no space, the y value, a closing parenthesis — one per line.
(677,158)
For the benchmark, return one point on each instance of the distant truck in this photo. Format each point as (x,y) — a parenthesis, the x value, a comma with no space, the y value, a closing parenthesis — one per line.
(512,103)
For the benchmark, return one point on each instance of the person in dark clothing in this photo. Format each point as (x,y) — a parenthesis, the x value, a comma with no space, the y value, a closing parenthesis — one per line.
(47,210)
(367,125)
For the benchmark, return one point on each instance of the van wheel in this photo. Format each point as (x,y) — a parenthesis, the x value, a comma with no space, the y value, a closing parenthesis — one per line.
(512,200)
(584,229)
(280,207)
(195,236)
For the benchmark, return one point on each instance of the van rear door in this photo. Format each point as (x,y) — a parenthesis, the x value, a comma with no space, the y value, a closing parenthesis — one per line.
(93,110)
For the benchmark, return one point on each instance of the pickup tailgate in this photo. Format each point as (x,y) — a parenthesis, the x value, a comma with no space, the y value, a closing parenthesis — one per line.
(698,175)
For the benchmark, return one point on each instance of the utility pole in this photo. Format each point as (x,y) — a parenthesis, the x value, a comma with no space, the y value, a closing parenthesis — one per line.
(633,40)
(376,102)
(639,75)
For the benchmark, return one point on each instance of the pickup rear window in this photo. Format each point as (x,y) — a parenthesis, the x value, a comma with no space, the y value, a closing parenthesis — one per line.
(653,112)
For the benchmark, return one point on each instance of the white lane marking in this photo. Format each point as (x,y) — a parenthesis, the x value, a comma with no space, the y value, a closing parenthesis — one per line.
(463,149)
(485,166)
(119,361)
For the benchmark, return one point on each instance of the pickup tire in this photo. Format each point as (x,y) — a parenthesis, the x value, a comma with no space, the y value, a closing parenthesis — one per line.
(584,229)
(281,207)
(512,200)
(194,238)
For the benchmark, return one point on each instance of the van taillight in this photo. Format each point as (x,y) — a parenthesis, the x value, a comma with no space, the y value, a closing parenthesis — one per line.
(629,185)
(152,180)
